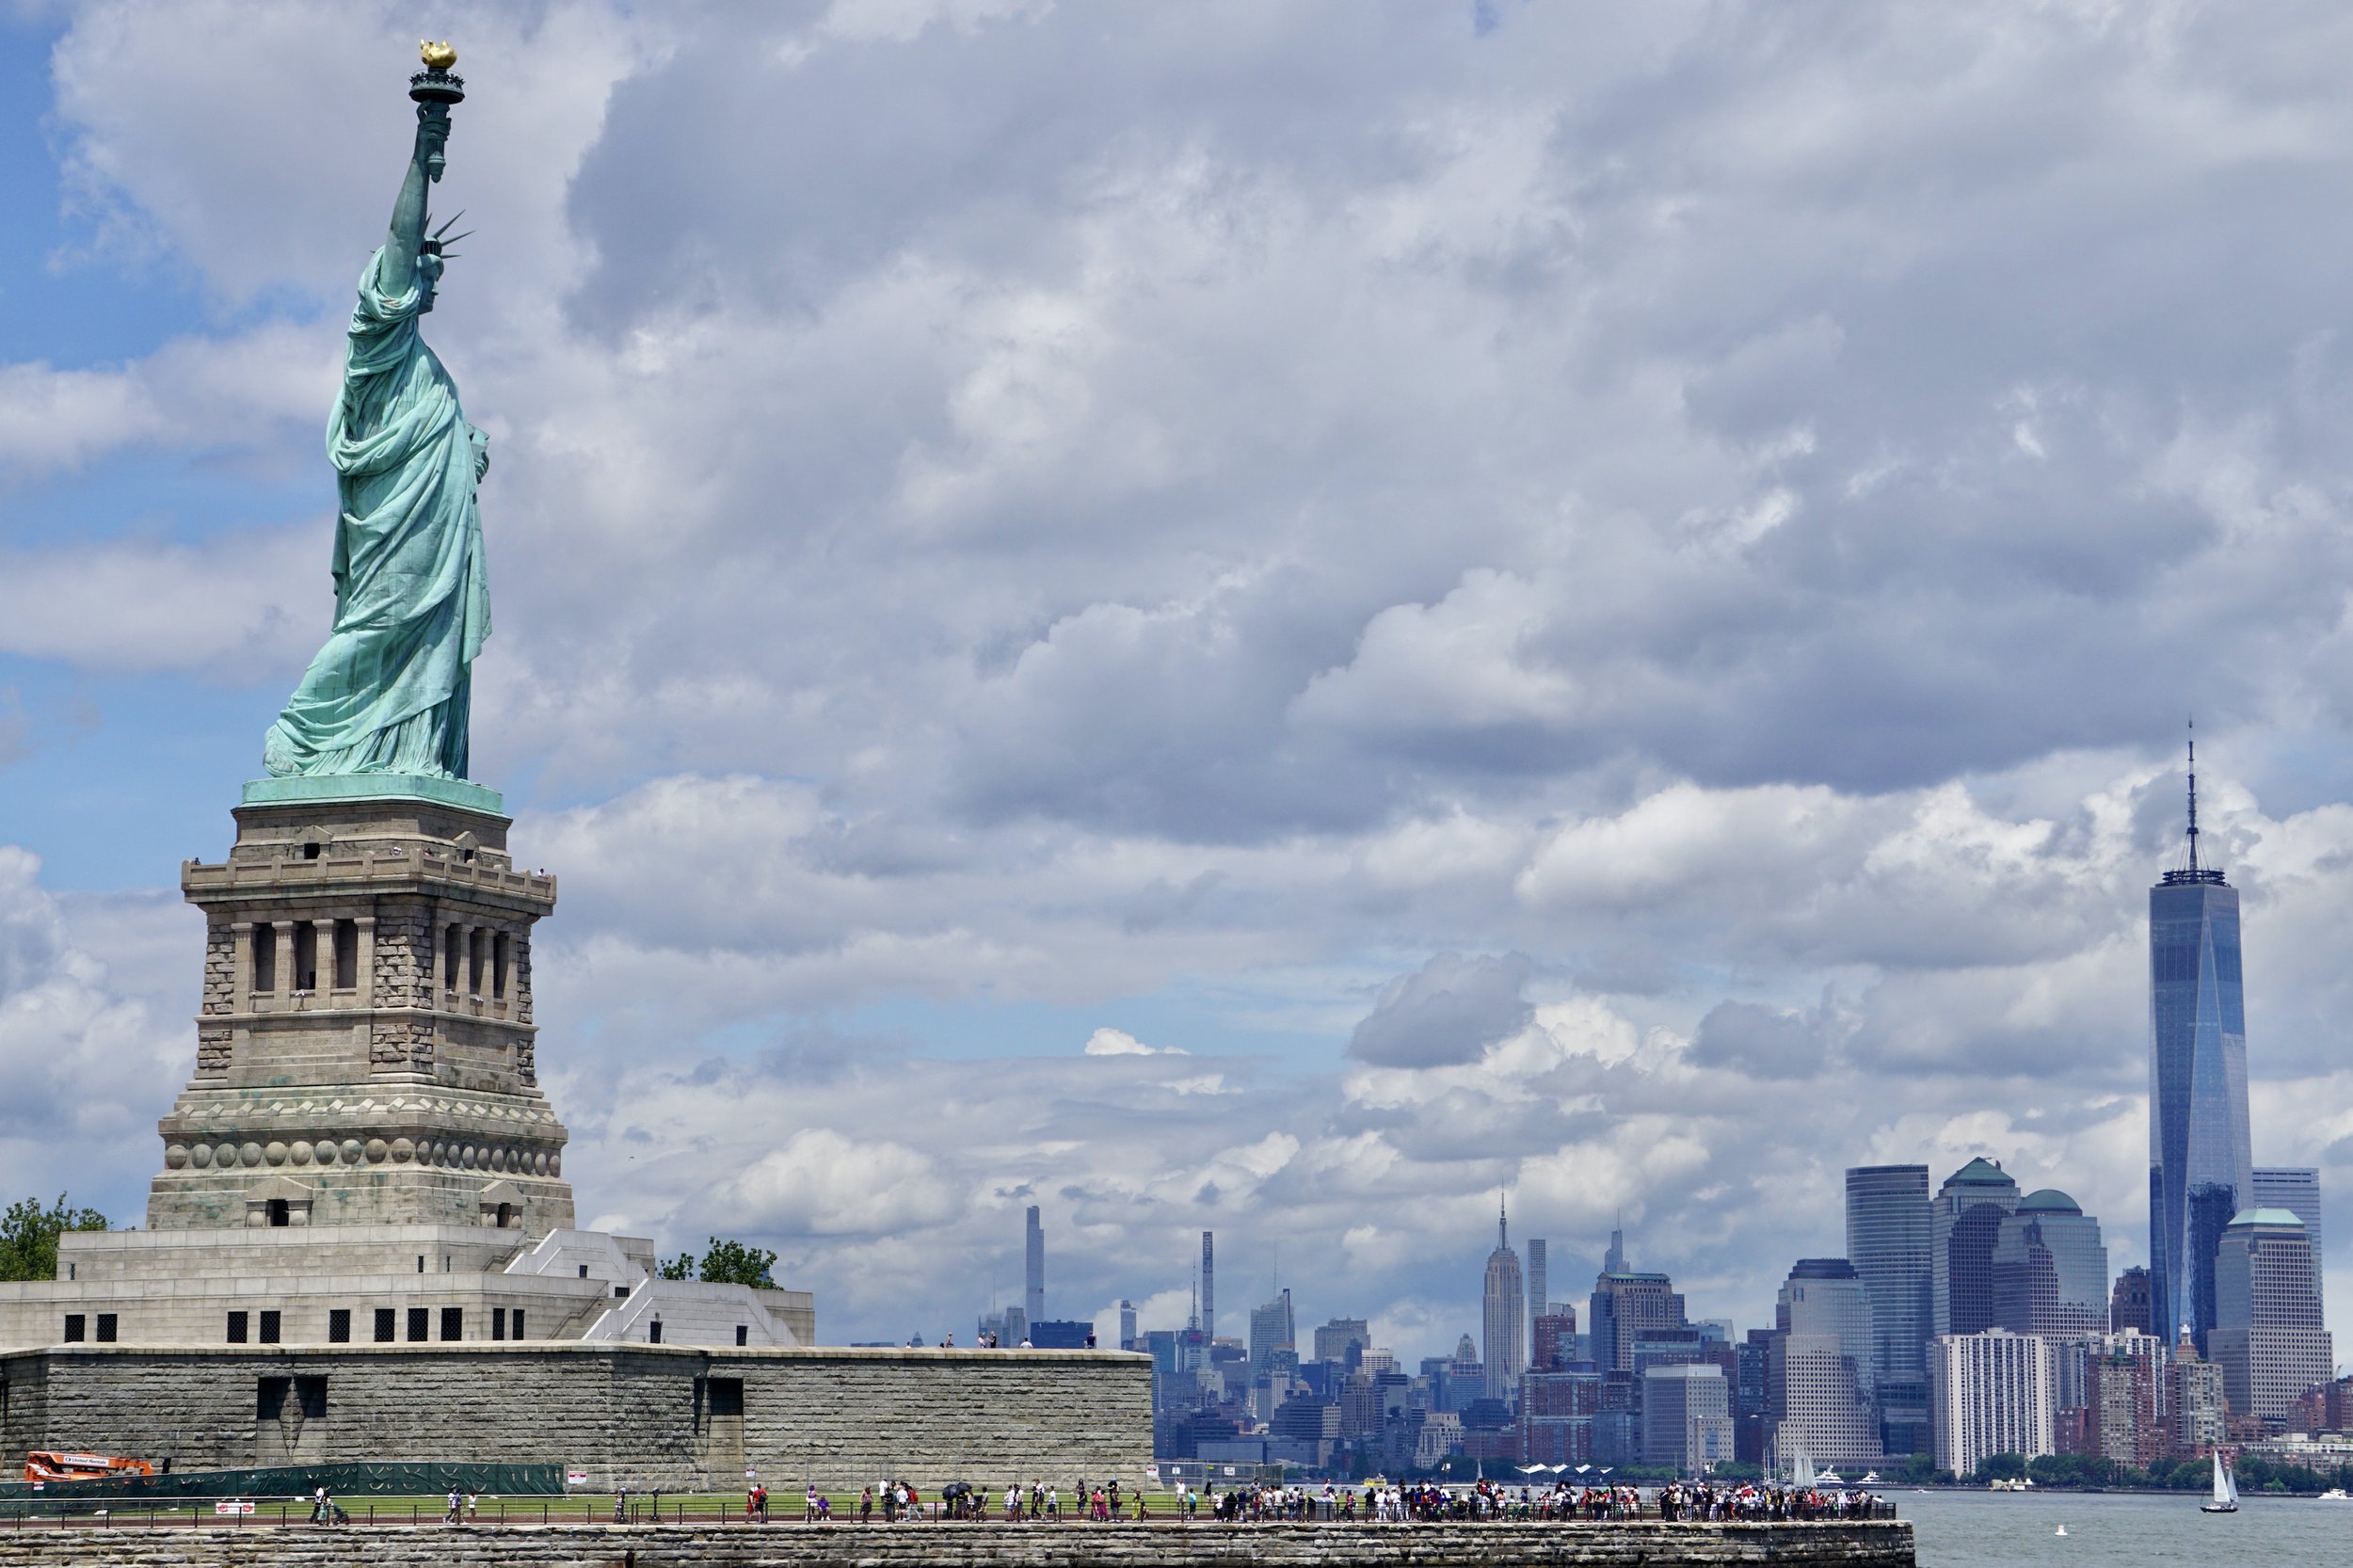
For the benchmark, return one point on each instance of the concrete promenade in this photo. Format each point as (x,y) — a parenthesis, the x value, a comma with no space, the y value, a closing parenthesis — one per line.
(1883,1544)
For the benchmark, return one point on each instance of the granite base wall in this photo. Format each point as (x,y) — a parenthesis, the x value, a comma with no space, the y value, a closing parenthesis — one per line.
(644,1416)
(1619,1546)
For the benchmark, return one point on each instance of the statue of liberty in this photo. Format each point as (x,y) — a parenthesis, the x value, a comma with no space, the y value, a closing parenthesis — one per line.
(389,692)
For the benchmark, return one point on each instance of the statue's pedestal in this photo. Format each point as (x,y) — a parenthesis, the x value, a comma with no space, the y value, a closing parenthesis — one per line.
(366,1052)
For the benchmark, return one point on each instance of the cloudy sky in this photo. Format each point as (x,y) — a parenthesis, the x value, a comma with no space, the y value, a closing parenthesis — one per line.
(1257,615)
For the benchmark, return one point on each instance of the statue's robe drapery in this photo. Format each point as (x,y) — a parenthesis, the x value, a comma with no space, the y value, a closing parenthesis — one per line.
(389,691)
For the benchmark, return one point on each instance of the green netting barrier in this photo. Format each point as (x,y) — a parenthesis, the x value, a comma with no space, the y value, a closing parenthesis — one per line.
(300,1480)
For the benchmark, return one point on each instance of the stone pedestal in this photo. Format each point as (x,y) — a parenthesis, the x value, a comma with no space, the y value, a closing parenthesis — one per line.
(365,1053)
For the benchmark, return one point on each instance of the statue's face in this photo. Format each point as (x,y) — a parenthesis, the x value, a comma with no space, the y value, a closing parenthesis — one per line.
(430,272)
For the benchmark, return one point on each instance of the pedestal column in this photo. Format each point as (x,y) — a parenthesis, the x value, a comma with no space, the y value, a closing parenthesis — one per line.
(365,978)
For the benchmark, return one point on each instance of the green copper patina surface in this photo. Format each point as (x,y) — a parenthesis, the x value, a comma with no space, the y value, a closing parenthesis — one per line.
(389,691)
(377,786)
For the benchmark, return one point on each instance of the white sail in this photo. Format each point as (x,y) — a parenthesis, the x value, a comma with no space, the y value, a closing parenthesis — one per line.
(2224,1492)
(2230,1480)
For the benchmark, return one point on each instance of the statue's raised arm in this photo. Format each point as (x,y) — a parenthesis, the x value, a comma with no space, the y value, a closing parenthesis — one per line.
(391,691)
(404,246)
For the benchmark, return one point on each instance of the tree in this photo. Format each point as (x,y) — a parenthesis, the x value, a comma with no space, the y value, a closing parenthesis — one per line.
(680,1267)
(731,1262)
(2003,1467)
(28,1236)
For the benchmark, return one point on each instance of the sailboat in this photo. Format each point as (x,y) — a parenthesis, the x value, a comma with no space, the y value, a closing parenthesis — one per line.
(2225,1490)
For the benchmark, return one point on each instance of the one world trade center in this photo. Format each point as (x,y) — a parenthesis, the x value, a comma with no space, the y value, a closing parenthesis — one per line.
(2201,1160)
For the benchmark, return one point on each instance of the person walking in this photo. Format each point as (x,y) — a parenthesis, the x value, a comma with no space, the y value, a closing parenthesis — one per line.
(455,1498)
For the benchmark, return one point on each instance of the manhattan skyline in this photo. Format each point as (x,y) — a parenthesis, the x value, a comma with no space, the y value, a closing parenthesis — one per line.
(1271,626)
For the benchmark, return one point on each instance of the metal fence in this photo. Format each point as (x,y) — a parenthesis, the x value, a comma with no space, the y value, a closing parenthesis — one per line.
(294,1480)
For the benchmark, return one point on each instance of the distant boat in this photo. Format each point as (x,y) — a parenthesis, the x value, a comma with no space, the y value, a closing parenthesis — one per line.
(2061,1531)
(2225,1490)
(2334,1495)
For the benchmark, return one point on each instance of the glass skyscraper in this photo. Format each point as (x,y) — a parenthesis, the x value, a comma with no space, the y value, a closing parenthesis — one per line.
(1887,1242)
(1964,1222)
(2201,1156)
(2051,1269)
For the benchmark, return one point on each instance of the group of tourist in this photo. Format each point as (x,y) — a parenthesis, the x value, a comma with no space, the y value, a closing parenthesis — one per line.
(1495,1502)
(1039,1502)
(1421,1502)
(1749,1503)
(1375,1502)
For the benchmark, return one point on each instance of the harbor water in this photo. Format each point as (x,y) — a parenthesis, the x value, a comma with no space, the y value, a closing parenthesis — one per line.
(2109,1530)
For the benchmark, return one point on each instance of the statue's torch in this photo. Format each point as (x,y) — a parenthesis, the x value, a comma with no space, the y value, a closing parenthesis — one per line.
(435,88)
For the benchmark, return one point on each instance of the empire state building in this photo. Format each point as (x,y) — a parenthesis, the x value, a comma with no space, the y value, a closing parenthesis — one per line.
(1503,1316)
(2201,1160)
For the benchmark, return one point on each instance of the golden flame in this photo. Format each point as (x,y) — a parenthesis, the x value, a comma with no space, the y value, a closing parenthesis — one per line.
(439,56)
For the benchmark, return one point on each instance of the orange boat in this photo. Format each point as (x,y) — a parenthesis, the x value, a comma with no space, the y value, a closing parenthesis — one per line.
(45,1464)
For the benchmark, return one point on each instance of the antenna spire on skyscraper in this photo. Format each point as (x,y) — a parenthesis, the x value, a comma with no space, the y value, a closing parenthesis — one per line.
(2193,792)
(2193,870)
(1503,1221)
